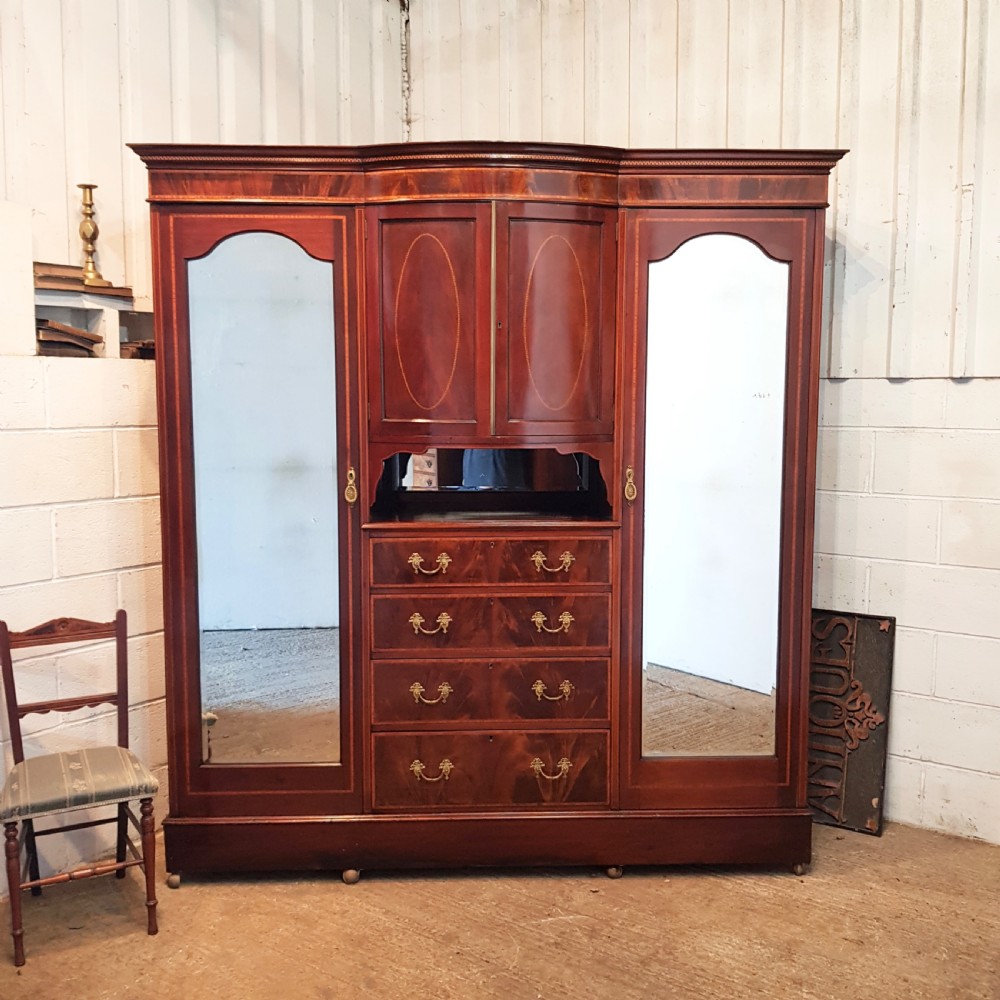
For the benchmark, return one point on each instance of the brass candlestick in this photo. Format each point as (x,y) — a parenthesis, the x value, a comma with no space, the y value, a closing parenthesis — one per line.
(89,233)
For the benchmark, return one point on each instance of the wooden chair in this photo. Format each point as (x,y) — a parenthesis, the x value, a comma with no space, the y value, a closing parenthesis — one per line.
(53,783)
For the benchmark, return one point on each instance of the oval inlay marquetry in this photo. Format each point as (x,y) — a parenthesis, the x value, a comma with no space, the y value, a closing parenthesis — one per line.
(429,246)
(552,252)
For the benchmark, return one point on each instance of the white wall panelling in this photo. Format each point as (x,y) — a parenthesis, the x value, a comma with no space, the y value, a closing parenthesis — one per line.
(908,87)
(917,203)
(80,80)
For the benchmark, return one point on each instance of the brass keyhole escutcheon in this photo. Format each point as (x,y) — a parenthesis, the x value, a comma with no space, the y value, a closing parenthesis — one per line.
(351,489)
(630,488)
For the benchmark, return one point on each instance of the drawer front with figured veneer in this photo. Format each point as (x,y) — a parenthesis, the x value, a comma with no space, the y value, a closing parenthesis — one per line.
(553,621)
(538,690)
(422,561)
(475,770)
(422,624)
(562,560)
(482,560)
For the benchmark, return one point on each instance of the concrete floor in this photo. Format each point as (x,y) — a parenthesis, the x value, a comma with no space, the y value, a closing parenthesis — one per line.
(910,915)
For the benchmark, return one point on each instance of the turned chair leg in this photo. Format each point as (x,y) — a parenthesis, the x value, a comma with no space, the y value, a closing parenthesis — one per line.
(12,851)
(122,837)
(147,828)
(34,872)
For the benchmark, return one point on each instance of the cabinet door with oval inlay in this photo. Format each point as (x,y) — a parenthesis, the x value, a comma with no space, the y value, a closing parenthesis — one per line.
(555,319)
(428,296)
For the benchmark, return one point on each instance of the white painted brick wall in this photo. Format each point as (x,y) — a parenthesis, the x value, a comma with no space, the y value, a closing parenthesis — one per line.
(41,464)
(110,394)
(22,399)
(970,532)
(970,667)
(114,534)
(137,471)
(959,463)
(25,545)
(914,658)
(80,537)
(908,524)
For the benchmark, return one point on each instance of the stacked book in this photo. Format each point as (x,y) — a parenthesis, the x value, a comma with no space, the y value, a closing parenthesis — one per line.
(62,339)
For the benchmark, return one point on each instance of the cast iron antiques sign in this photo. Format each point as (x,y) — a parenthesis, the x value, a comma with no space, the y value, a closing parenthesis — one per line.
(849,673)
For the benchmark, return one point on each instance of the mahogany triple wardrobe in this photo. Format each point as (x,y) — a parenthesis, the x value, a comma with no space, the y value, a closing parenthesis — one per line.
(487,483)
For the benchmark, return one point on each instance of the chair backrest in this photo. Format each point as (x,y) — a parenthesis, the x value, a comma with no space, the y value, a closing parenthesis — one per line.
(56,632)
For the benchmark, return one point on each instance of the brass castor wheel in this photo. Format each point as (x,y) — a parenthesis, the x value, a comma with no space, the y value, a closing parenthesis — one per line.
(800,868)
(615,871)
(350,876)
(173,881)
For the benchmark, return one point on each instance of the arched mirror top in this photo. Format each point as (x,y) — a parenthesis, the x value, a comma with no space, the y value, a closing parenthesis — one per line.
(197,236)
(782,237)
(741,244)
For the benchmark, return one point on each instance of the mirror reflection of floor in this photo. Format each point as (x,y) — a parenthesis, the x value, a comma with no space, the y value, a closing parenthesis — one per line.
(688,715)
(274,694)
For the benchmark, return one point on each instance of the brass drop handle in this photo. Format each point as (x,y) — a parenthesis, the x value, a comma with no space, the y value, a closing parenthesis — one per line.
(565,689)
(417,621)
(539,620)
(445,768)
(565,560)
(417,690)
(443,561)
(539,768)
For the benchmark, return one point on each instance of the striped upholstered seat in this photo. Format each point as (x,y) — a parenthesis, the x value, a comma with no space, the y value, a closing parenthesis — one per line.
(56,782)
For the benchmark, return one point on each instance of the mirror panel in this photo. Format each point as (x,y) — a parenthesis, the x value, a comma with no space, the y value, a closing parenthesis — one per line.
(490,482)
(715,397)
(541,470)
(263,396)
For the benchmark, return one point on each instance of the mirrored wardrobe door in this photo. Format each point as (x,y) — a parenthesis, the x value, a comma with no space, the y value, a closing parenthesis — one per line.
(264,419)
(716,335)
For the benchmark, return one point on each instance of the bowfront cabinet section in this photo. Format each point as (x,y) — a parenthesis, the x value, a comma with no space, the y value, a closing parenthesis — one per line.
(487,483)
(491,321)
(555,350)
(428,307)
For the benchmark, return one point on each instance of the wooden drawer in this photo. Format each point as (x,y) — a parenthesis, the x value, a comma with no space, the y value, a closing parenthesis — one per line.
(436,691)
(549,560)
(513,769)
(448,621)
